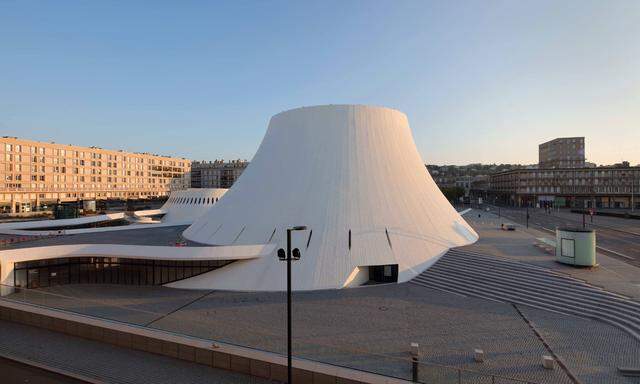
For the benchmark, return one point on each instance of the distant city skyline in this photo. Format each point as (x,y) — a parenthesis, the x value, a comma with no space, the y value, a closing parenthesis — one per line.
(234,158)
(481,82)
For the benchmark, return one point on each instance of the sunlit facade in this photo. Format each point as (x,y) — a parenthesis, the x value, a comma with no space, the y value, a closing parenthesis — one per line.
(33,172)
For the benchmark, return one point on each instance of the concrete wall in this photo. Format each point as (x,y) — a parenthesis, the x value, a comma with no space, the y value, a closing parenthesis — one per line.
(219,355)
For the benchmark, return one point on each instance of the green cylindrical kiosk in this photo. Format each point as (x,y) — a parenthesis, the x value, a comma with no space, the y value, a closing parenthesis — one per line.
(576,246)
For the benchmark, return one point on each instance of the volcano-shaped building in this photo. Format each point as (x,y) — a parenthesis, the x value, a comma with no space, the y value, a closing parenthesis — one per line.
(353,176)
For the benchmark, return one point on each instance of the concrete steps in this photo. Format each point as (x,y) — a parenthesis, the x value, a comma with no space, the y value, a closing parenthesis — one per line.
(595,302)
(473,274)
(518,283)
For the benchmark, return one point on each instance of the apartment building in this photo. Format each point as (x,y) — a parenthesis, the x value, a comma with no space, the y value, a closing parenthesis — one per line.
(564,152)
(33,173)
(216,174)
(563,178)
(602,187)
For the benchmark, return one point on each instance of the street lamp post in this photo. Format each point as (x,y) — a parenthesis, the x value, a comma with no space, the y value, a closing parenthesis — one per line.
(288,256)
(633,182)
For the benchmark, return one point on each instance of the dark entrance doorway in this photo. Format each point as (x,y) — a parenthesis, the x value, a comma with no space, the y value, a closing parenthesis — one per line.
(383,273)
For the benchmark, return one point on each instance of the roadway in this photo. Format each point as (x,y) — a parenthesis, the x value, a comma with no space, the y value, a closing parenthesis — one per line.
(617,237)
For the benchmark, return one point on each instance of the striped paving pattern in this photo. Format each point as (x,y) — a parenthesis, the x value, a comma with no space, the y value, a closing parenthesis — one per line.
(474,274)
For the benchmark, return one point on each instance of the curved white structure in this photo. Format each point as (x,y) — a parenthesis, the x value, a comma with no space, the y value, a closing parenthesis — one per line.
(185,206)
(21,227)
(353,176)
(182,208)
(8,258)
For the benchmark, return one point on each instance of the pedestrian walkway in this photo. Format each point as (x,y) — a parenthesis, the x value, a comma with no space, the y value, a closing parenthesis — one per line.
(612,274)
(98,362)
(478,275)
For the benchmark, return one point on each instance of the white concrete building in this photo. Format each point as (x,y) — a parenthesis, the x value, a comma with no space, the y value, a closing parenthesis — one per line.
(185,206)
(353,176)
(182,208)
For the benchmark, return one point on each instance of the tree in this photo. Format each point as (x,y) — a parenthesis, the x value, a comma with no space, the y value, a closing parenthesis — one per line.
(452,193)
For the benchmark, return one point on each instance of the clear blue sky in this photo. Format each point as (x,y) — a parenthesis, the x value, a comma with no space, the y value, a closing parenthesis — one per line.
(481,81)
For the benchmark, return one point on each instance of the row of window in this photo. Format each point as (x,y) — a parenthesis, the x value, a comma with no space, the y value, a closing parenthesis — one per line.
(6,197)
(606,189)
(193,200)
(18,165)
(567,174)
(93,155)
(108,270)
(98,179)
(23,184)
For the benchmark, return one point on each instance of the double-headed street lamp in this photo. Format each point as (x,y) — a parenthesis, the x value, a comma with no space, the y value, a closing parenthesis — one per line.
(288,256)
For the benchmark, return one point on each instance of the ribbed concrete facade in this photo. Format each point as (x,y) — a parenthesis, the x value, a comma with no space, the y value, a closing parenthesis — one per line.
(353,176)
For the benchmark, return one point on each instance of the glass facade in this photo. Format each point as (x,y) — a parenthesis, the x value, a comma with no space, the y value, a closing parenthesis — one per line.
(108,270)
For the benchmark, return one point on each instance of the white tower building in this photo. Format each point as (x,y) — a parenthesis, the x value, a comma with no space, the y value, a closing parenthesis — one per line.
(353,176)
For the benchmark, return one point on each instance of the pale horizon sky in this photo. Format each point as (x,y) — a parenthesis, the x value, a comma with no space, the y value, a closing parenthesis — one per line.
(481,81)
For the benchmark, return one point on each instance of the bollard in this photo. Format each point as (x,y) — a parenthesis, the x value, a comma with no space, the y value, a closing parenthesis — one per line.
(478,355)
(415,353)
(548,362)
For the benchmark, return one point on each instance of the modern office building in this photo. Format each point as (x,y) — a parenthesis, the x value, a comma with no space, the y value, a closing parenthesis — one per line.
(34,173)
(216,174)
(565,152)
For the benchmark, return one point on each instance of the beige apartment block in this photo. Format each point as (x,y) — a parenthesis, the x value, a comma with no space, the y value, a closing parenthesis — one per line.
(563,152)
(34,173)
